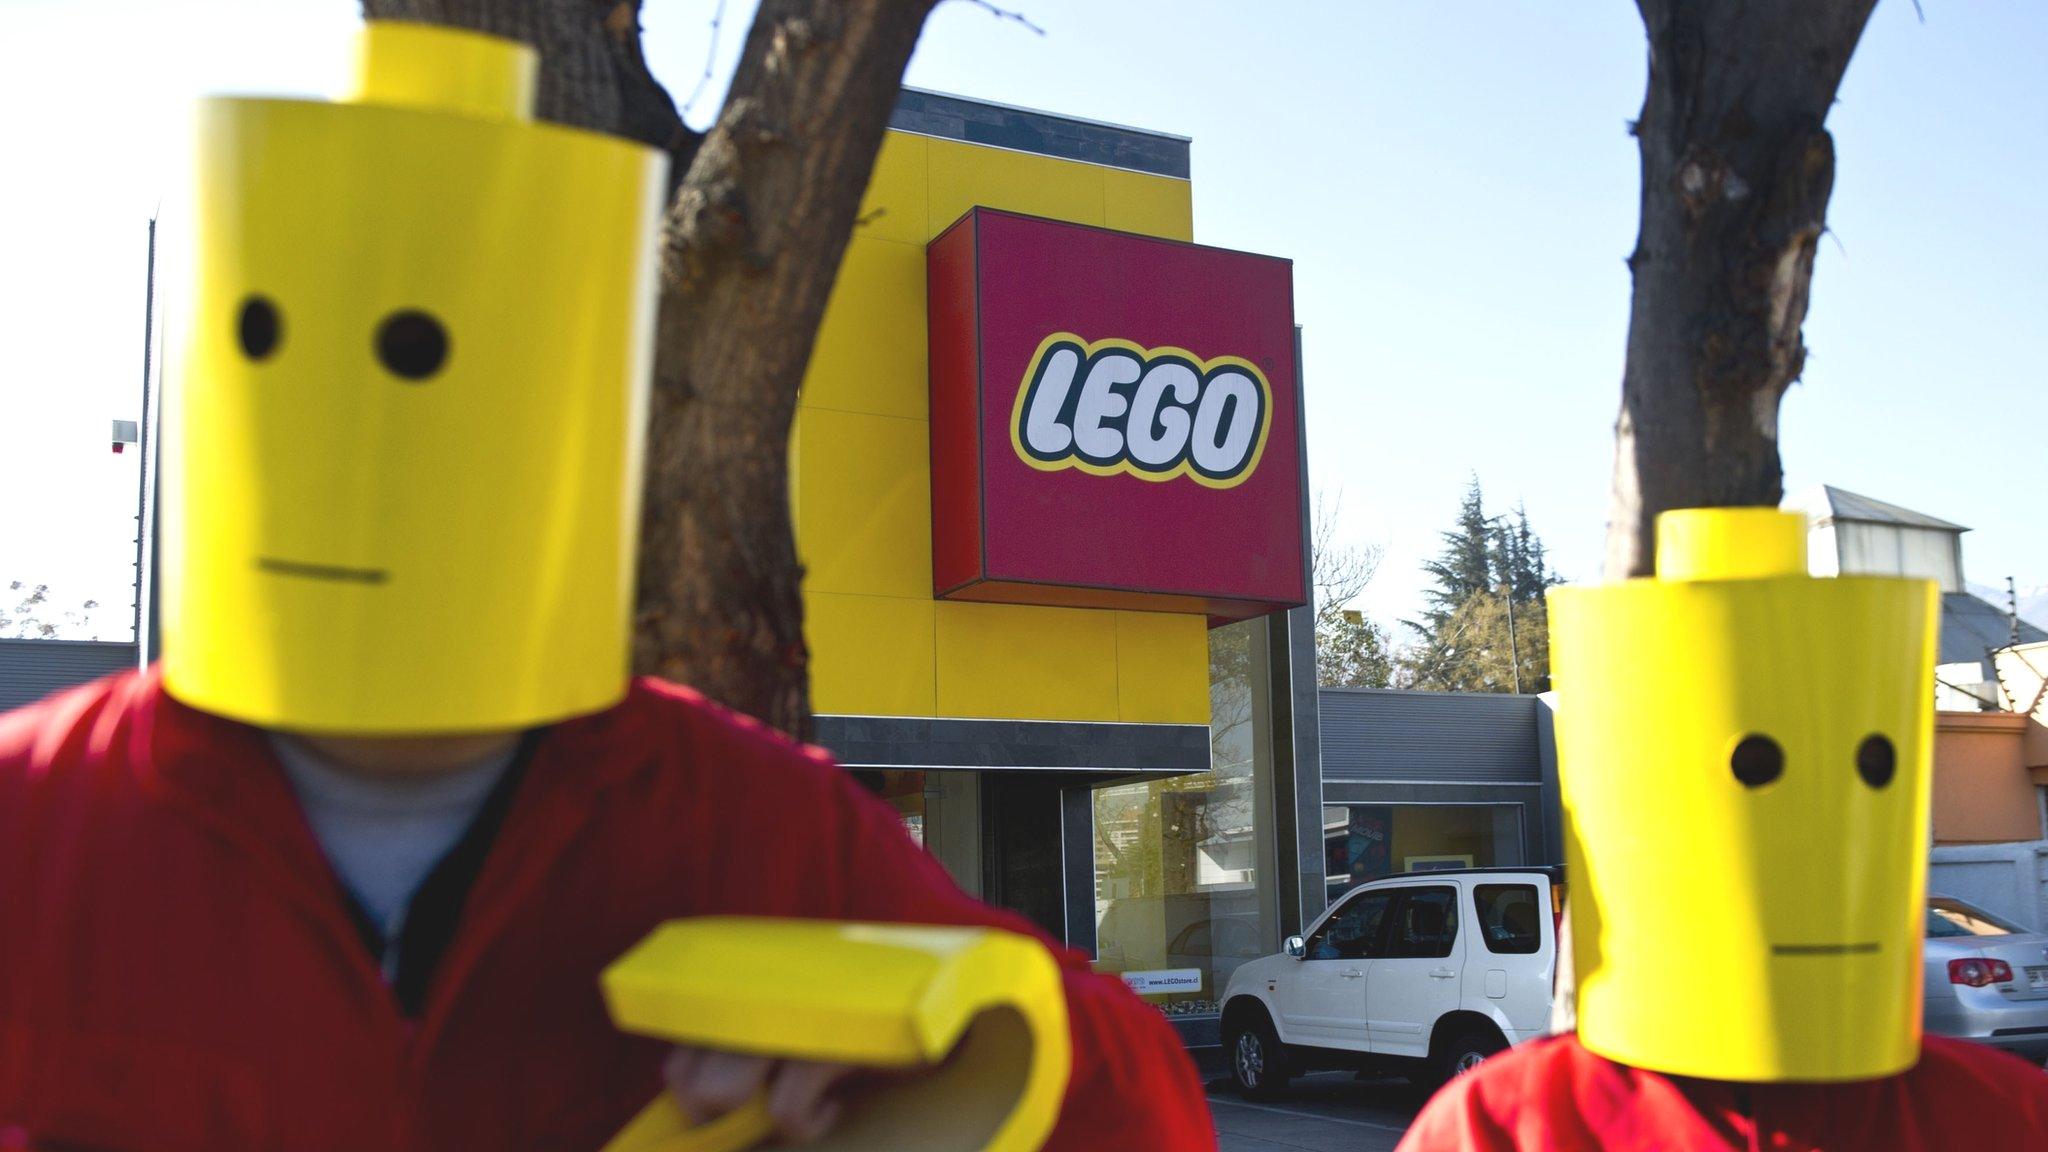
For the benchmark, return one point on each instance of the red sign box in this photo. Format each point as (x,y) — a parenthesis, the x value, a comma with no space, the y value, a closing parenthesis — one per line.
(1114,421)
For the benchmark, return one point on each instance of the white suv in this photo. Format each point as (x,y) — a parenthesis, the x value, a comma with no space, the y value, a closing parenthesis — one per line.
(1426,973)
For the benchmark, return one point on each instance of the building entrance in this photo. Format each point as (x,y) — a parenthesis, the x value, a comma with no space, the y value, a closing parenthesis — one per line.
(1005,836)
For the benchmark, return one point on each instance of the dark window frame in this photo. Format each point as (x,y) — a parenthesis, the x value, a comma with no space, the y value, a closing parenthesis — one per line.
(1400,908)
(1374,946)
(1479,892)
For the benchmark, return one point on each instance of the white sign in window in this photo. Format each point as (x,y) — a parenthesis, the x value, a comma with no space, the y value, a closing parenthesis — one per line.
(1161,981)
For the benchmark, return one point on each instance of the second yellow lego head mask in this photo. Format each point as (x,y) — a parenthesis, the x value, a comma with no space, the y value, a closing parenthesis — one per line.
(402,454)
(1743,754)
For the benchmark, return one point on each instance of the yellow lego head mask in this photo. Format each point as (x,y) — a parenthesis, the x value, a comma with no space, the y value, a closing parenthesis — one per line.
(1743,753)
(402,456)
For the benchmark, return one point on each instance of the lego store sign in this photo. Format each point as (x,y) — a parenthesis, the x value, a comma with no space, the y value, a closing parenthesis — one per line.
(1114,421)
(1111,406)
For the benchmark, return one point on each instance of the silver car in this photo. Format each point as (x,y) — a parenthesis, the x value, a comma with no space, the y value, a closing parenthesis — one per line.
(1987,978)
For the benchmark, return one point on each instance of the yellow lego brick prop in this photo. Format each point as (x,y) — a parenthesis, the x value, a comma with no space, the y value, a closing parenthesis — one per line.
(402,455)
(1743,757)
(976,1016)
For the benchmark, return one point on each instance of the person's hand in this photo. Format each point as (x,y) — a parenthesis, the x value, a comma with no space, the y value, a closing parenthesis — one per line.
(801,1096)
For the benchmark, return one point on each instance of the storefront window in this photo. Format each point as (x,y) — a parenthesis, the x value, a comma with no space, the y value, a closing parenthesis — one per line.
(901,790)
(1180,899)
(941,809)
(1364,842)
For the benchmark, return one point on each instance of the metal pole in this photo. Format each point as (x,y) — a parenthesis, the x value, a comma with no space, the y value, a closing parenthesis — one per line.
(2012,609)
(142,469)
(1508,594)
(1514,648)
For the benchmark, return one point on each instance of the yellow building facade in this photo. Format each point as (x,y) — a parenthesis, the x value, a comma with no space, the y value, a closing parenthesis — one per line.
(881,645)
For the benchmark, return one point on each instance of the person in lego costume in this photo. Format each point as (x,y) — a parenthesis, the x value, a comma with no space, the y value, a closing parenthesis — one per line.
(342,872)
(1743,757)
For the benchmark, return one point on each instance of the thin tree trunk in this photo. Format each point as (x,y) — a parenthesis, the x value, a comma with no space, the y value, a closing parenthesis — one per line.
(1737,169)
(592,74)
(751,248)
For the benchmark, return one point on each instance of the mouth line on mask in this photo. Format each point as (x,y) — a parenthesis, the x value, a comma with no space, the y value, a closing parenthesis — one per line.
(335,572)
(1861,948)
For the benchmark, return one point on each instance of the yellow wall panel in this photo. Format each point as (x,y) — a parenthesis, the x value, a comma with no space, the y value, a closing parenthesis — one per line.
(894,207)
(1152,205)
(870,655)
(1018,662)
(1162,668)
(866,500)
(870,355)
(966,175)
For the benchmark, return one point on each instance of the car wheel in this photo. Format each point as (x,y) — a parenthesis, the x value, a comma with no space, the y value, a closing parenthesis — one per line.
(1464,1052)
(1258,1061)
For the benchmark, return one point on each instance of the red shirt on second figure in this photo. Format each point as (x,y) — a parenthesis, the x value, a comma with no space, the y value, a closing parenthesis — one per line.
(1554,1096)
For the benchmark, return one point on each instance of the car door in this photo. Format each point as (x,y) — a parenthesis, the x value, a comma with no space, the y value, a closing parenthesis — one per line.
(1416,977)
(1321,997)
(1509,960)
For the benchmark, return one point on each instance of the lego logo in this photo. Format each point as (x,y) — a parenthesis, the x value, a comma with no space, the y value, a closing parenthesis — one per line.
(1111,406)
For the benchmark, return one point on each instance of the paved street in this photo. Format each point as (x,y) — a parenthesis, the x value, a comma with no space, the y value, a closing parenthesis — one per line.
(1330,1110)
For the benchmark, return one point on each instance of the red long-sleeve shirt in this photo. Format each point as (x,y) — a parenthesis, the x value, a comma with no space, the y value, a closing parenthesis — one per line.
(179,972)
(1555,1096)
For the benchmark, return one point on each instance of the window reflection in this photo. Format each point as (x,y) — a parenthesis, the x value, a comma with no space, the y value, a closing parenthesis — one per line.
(900,789)
(1948,916)
(1177,883)
(1425,924)
(1353,932)
(1508,917)
(1364,842)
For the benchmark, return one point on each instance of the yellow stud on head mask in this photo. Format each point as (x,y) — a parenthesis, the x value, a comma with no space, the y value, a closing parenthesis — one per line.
(402,456)
(1742,753)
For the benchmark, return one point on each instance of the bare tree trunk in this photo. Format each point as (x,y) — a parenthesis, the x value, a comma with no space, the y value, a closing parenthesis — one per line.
(752,245)
(1737,169)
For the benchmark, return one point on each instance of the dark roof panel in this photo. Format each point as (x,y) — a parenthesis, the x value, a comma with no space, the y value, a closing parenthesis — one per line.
(1832,503)
(33,669)
(1973,628)
(1042,133)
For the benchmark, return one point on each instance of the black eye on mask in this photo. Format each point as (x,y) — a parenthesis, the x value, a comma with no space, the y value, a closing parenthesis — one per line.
(412,344)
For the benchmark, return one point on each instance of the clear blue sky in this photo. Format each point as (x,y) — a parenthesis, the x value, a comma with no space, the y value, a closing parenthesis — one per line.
(1452,179)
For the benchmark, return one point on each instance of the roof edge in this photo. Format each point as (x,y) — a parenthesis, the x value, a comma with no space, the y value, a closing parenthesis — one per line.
(1030,130)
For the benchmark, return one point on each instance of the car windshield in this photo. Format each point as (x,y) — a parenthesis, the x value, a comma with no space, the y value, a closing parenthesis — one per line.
(1948,916)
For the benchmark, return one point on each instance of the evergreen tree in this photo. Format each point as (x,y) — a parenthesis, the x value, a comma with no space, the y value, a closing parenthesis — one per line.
(1519,563)
(1466,566)
(1486,626)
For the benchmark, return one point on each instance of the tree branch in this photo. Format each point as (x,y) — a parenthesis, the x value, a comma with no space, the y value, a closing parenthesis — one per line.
(710,59)
(1018,17)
